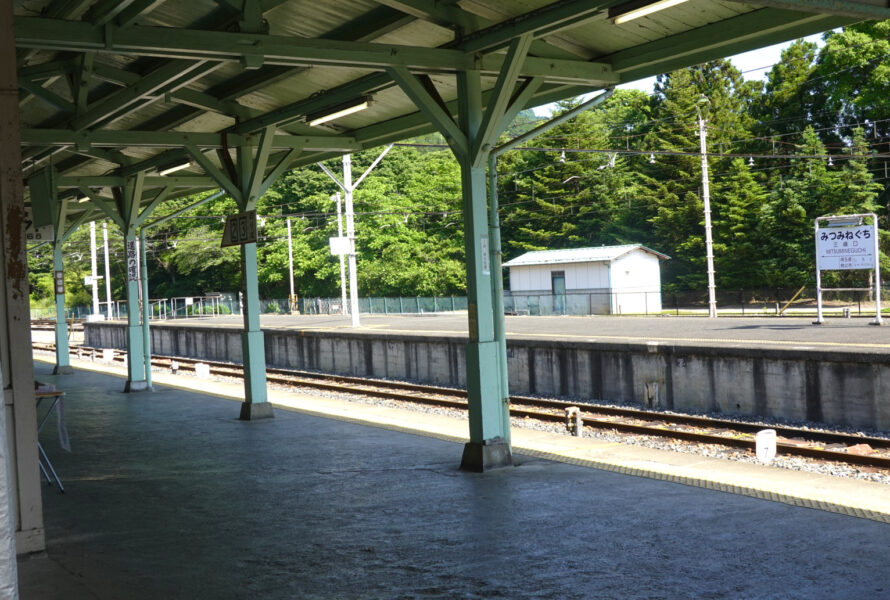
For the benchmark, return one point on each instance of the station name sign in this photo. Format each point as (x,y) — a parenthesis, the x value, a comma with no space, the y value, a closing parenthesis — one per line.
(846,248)
(240,229)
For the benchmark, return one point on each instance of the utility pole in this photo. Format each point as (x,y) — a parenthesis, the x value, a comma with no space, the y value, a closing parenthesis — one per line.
(290,265)
(94,278)
(344,309)
(703,102)
(348,188)
(107,272)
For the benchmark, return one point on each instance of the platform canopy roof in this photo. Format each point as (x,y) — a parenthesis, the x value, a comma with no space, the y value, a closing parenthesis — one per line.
(112,88)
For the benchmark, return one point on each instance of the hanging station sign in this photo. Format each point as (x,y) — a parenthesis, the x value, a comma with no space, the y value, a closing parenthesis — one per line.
(846,243)
(240,229)
(33,233)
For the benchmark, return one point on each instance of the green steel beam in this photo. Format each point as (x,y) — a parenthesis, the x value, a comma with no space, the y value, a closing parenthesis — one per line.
(543,21)
(105,206)
(173,139)
(76,224)
(36,89)
(520,100)
(432,107)
(114,75)
(209,103)
(221,179)
(156,202)
(731,36)
(182,211)
(81,80)
(170,76)
(839,8)
(500,97)
(186,181)
(258,168)
(137,9)
(46,70)
(105,11)
(196,45)
(450,16)
(375,23)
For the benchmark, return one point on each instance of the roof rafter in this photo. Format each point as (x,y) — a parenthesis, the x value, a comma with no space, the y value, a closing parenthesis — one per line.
(247,48)
(867,9)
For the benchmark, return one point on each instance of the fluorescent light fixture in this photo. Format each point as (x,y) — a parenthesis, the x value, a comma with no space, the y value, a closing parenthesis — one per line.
(81,198)
(639,8)
(179,165)
(337,111)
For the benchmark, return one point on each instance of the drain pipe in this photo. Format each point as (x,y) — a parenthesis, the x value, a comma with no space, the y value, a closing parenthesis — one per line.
(494,236)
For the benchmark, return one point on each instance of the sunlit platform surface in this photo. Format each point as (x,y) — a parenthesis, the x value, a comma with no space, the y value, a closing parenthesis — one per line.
(168,495)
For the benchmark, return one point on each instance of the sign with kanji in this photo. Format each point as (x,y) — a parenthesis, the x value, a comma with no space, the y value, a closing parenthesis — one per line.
(240,229)
(846,248)
(132,261)
(34,233)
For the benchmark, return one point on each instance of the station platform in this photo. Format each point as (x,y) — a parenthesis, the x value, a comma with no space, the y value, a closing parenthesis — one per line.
(790,333)
(168,495)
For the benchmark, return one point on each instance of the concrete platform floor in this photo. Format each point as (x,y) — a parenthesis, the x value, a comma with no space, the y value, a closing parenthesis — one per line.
(170,496)
(849,335)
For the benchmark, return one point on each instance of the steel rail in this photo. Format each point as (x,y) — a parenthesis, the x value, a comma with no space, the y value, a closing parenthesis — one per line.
(593,415)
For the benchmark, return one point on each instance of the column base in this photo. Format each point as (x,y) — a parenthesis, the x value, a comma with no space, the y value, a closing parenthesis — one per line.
(485,456)
(63,370)
(251,411)
(136,386)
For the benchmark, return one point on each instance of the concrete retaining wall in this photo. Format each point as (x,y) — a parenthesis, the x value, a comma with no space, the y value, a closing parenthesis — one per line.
(843,388)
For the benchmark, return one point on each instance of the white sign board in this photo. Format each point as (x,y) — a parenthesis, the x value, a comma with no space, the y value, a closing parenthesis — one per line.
(486,259)
(845,248)
(240,229)
(339,245)
(36,234)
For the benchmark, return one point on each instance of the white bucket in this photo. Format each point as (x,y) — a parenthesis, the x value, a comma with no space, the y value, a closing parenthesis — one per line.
(766,445)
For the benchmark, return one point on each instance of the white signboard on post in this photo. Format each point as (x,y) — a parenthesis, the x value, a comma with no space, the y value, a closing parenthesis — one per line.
(846,243)
(339,245)
(845,248)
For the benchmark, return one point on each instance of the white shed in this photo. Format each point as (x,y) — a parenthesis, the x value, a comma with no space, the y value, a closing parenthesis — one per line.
(604,280)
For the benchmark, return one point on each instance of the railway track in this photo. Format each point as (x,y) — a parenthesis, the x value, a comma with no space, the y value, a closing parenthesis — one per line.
(859,450)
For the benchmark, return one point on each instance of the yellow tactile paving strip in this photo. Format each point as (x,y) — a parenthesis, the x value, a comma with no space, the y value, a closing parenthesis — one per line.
(850,497)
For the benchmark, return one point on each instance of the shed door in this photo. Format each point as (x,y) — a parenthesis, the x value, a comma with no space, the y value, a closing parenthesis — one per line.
(558,287)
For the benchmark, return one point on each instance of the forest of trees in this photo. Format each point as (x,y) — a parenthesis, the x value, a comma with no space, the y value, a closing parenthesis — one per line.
(812,139)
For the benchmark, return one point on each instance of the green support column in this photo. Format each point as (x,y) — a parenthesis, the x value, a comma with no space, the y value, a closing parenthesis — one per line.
(489,445)
(136,381)
(256,405)
(63,364)
(146,310)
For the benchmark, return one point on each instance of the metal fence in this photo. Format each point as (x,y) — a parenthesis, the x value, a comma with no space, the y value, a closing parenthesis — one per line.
(753,302)
(385,306)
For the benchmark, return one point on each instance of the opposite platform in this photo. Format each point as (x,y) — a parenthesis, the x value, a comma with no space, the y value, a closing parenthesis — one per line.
(170,496)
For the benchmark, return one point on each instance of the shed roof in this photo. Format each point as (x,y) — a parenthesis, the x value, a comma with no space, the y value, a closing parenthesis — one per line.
(579,255)
(112,88)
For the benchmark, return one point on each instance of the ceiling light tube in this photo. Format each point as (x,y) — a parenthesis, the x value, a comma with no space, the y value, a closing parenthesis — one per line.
(337,111)
(173,167)
(634,10)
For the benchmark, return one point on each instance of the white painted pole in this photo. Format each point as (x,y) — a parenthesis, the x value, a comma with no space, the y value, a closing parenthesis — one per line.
(819,318)
(706,198)
(107,272)
(878,319)
(344,309)
(350,234)
(290,260)
(93,266)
